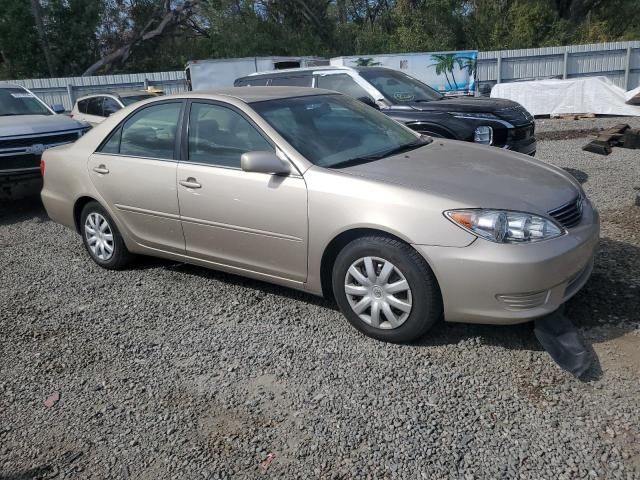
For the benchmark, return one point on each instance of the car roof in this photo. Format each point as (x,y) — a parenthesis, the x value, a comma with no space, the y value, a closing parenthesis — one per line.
(288,71)
(297,70)
(255,94)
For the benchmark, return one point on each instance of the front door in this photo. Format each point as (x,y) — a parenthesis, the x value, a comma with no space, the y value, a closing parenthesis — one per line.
(252,221)
(135,173)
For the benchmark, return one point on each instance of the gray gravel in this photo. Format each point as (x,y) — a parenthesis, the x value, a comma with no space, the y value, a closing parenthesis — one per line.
(173,371)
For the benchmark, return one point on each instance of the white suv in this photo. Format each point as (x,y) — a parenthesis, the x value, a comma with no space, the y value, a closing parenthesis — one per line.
(93,109)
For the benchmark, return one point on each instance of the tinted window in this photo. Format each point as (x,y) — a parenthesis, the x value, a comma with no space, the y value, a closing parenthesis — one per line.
(298,81)
(342,83)
(110,106)
(219,136)
(82,106)
(151,132)
(398,87)
(94,106)
(335,130)
(17,101)
(129,99)
(251,82)
(113,144)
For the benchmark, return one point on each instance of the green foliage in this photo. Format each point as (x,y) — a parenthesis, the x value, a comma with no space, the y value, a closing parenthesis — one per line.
(80,32)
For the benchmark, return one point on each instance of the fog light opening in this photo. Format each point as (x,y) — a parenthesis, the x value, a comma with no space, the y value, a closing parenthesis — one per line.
(483,135)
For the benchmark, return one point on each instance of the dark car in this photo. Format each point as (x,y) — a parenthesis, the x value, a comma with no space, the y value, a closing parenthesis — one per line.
(490,121)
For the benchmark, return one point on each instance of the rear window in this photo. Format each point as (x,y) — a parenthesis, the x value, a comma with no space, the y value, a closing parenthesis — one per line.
(94,106)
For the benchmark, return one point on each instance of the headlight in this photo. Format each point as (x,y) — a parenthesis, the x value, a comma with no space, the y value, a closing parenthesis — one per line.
(503,226)
(473,115)
(483,135)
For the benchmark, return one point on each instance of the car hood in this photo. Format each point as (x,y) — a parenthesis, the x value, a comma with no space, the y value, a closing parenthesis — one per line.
(464,104)
(475,176)
(15,125)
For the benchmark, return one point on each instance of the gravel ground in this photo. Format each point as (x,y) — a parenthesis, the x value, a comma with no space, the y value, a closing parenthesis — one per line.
(173,371)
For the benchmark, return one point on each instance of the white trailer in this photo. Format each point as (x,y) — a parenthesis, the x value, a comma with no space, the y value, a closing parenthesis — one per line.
(452,73)
(207,74)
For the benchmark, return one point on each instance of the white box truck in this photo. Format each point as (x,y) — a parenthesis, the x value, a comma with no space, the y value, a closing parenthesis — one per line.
(207,74)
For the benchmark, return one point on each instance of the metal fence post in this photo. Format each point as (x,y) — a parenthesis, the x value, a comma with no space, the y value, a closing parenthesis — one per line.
(499,79)
(565,64)
(71,96)
(146,83)
(627,68)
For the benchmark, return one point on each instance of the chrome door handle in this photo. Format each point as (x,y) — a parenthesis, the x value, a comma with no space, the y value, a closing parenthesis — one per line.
(101,169)
(190,183)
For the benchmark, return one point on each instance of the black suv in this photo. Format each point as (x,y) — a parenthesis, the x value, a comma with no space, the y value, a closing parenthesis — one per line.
(489,121)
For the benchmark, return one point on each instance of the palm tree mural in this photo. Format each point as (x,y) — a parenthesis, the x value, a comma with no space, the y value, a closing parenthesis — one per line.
(446,62)
(470,64)
(365,62)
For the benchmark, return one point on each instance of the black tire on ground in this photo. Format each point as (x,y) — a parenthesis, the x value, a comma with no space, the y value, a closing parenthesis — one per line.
(121,256)
(426,307)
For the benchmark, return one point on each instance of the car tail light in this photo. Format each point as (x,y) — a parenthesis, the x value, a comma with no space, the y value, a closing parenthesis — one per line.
(42,168)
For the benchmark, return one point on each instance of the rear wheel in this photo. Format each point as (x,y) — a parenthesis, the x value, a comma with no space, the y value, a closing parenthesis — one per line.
(386,289)
(102,239)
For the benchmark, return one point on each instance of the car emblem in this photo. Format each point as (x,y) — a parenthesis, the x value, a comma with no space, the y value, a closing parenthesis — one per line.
(36,149)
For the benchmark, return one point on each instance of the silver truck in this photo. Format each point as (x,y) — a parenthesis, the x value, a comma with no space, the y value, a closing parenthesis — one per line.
(28,127)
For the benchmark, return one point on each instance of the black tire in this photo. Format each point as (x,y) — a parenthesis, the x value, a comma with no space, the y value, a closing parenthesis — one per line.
(426,308)
(120,257)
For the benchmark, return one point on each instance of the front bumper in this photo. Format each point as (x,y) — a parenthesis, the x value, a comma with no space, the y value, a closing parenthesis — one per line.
(507,284)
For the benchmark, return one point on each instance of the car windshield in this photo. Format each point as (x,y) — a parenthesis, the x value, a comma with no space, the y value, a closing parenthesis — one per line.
(400,88)
(336,130)
(129,99)
(16,101)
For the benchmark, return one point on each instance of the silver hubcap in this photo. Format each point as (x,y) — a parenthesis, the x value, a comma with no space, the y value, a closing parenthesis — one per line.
(378,292)
(99,236)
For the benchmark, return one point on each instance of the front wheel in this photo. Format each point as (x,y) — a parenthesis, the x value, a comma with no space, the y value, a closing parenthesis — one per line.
(102,239)
(386,289)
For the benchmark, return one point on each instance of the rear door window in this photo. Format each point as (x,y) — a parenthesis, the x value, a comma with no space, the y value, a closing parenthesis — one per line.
(342,83)
(94,106)
(297,81)
(110,106)
(148,133)
(82,106)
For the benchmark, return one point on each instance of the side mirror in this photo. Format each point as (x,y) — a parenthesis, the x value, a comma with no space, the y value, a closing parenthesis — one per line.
(264,162)
(369,101)
(58,108)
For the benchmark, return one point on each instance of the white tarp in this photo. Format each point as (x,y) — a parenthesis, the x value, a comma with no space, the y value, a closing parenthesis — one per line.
(579,95)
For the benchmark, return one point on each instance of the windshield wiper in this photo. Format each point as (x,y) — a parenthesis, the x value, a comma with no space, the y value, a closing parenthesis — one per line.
(422,141)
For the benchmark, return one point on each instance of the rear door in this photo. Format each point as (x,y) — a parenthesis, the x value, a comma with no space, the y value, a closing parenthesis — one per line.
(252,221)
(134,171)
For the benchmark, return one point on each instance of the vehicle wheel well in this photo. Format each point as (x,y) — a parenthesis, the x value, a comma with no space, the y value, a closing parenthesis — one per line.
(77,210)
(333,249)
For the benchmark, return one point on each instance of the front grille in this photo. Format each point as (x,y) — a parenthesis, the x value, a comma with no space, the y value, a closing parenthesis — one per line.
(42,140)
(18,162)
(568,215)
(516,115)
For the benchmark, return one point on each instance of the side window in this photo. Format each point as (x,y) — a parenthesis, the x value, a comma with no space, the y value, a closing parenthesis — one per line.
(113,144)
(219,136)
(82,106)
(151,132)
(251,82)
(110,106)
(342,83)
(94,106)
(297,81)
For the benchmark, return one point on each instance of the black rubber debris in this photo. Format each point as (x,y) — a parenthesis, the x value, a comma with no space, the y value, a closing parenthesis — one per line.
(561,339)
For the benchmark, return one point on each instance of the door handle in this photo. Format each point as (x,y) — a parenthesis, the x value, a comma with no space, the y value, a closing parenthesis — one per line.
(101,169)
(190,183)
